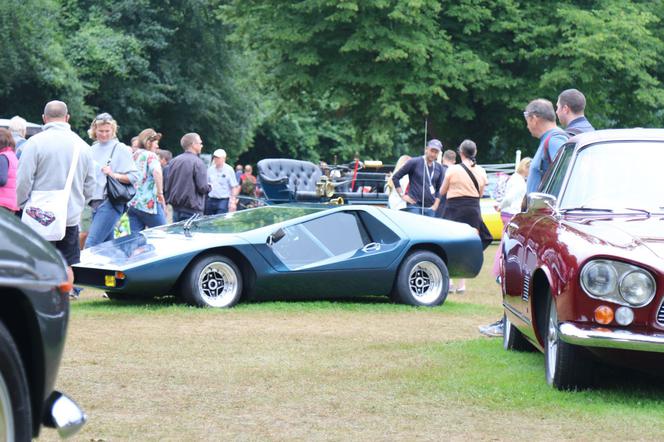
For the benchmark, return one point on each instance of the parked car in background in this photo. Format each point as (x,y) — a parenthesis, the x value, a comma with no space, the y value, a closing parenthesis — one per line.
(583,266)
(32,128)
(288,251)
(34,311)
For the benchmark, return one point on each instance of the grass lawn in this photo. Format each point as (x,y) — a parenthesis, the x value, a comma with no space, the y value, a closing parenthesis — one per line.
(361,370)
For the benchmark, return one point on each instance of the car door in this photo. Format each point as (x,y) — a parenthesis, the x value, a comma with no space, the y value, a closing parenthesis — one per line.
(345,253)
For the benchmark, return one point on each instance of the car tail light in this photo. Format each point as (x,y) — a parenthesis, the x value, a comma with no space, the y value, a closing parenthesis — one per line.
(604,314)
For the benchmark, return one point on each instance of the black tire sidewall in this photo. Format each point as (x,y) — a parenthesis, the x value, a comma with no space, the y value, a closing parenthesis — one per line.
(190,292)
(13,373)
(402,285)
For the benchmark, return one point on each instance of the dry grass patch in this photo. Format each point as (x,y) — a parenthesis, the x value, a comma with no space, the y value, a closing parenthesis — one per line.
(312,371)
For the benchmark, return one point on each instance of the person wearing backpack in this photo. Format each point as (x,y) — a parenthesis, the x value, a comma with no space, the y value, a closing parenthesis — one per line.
(570,111)
(541,122)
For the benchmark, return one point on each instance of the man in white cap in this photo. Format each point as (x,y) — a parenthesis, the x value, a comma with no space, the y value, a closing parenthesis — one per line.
(223,185)
(425,176)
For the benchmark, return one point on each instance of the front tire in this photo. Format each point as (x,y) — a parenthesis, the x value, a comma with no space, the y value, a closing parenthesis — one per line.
(212,281)
(15,409)
(513,339)
(422,280)
(568,367)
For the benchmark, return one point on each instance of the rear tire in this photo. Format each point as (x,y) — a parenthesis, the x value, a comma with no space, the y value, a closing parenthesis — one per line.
(568,367)
(212,281)
(513,339)
(422,280)
(15,409)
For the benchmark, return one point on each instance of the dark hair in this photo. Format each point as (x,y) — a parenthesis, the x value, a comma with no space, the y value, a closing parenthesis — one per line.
(6,139)
(469,149)
(574,99)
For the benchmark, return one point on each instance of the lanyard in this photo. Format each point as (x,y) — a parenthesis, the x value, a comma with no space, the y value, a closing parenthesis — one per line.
(428,173)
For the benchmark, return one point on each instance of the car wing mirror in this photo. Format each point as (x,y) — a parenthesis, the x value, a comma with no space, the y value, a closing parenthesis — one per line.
(541,202)
(275,237)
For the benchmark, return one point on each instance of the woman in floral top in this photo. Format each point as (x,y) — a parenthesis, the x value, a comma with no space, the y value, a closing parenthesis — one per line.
(147,208)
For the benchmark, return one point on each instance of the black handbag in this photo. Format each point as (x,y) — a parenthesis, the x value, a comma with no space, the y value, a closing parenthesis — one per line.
(117,191)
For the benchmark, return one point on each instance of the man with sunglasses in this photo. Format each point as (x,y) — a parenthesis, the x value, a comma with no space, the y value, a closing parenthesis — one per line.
(541,122)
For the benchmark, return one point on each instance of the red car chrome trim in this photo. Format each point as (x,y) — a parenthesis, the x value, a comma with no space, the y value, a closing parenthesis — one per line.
(593,336)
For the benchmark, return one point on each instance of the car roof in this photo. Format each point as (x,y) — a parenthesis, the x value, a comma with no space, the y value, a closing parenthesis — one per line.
(636,134)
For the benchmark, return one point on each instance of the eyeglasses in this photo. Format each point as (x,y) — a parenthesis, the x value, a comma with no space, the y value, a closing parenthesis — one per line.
(526,114)
(153,138)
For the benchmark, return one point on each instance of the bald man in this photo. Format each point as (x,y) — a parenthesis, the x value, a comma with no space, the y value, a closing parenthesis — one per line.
(45,163)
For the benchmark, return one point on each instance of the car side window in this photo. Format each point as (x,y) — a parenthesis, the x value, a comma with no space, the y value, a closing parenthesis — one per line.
(331,237)
(555,181)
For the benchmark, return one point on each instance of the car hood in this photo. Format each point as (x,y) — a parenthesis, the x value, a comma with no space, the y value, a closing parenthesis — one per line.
(153,245)
(630,233)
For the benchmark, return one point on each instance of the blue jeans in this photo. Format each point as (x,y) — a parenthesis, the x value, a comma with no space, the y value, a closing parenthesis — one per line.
(181,215)
(214,206)
(418,210)
(104,219)
(139,220)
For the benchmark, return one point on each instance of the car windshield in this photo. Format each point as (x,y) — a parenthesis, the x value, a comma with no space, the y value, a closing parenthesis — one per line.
(617,176)
(244,220)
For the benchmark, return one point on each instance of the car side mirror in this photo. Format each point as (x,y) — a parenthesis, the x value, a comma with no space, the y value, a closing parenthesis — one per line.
(275,237)
(541,202)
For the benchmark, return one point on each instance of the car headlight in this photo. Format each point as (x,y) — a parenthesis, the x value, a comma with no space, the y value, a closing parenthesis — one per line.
(637,287)
(618,282)
(599,278)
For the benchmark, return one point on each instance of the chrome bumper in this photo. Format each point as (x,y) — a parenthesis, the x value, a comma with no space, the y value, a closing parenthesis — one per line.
(64,415)
(594,336)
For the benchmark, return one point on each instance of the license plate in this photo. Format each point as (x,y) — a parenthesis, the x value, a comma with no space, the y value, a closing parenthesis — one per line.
(109,280)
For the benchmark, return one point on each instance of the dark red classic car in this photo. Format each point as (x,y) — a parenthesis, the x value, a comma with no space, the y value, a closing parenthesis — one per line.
(583,264)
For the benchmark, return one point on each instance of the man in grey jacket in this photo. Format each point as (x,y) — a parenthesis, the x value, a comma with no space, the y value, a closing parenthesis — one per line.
(44,165)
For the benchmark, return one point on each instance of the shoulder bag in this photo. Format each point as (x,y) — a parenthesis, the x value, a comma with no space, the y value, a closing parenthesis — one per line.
(46,210)
(117,191)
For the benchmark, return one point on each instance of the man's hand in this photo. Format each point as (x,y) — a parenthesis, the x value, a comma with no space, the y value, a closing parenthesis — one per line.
(407,199)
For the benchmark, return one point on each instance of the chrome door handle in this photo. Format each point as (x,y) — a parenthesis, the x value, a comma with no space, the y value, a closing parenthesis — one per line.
(371,247)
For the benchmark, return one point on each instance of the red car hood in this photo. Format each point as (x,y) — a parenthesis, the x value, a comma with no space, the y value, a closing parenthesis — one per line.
(627,232)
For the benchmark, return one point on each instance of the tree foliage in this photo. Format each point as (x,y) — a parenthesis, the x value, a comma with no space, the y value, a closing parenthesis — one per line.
(160,64)
(321,79)
(469,66)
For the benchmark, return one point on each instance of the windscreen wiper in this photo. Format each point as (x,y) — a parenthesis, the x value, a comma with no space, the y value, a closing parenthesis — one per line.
(186,228)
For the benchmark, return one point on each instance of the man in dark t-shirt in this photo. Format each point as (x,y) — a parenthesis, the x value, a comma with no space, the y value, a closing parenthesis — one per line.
(425,176)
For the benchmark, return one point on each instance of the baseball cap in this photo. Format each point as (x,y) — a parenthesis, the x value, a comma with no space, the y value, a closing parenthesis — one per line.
(435,144)
(219,153)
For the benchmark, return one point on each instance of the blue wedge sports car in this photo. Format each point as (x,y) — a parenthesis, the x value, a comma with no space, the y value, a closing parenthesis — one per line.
(290,252)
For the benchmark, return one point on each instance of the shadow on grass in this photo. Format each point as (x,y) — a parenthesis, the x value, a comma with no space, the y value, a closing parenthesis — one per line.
(358,303)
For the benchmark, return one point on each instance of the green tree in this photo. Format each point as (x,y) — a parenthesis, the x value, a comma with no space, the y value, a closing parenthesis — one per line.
(468,66)
(35,66)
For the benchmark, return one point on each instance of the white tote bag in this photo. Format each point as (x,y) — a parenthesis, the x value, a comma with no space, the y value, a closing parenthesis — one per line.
(46,210)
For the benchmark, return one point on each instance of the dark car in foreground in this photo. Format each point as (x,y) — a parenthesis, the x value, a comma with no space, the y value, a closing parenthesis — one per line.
(583,265)
(34,311)
(285,251)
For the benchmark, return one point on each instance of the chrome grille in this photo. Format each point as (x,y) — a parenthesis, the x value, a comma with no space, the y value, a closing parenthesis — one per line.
(660,314)
(526,288)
